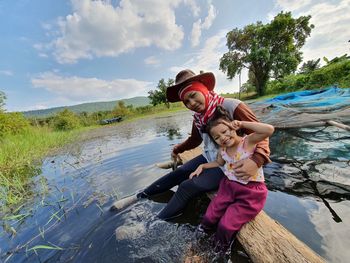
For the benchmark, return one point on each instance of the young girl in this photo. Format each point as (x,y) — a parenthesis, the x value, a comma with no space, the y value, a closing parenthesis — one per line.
(237,201)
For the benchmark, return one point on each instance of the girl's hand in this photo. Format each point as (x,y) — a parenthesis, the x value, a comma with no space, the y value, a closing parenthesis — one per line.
(245,169)
(197,172)
(236,125)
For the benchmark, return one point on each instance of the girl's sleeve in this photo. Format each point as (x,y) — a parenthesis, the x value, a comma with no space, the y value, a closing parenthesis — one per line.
(262,151)
(191,142)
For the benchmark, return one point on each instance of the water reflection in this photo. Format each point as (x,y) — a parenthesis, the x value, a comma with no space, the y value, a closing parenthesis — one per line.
(309,187)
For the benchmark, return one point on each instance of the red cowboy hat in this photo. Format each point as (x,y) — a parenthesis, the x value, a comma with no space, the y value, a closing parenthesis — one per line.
(186,76)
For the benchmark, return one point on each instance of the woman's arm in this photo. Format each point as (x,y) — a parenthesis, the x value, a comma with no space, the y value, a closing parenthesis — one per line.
(191,142)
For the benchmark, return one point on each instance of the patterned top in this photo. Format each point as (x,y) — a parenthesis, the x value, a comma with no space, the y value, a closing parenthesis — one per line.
(240,154)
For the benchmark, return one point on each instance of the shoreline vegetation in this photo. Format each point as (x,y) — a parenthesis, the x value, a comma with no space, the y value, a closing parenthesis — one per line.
(24,142)
(23,149)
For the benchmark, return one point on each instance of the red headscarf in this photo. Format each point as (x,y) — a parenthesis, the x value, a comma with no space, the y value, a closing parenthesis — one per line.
(211,101)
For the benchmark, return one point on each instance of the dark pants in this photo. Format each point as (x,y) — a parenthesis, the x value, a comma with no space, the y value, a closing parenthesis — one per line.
(187,188)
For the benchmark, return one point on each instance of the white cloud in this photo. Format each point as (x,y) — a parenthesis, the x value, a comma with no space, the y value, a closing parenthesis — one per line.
(194,7)
(208,21)
(97,28)
(152,60)
(330,36)
(198,26)
(77,89)
(196,33)
(292,5)
(208,59)
(39,107)
(6,72)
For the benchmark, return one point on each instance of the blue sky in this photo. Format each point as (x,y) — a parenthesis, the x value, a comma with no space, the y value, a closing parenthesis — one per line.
(57,53)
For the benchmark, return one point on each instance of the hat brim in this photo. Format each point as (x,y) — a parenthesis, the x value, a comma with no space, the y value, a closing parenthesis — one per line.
(207,78)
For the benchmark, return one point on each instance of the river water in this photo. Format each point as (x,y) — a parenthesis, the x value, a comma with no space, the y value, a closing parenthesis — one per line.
(68,218)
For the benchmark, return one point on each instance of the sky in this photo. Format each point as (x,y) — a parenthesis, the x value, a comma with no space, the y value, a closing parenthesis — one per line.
(61,53)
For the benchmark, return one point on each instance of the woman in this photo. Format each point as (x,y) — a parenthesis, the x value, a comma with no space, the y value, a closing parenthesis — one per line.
(196,92)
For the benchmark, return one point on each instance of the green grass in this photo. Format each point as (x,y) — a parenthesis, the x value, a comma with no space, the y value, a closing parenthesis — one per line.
(19,156)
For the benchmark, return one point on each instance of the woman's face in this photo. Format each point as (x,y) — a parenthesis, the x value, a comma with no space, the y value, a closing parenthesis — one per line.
(195,101)
(223,135)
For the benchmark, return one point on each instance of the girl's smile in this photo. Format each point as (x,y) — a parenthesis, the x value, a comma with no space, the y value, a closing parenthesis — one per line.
(223,135)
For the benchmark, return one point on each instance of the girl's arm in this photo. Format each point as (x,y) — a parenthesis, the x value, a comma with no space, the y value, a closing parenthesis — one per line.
(218,162)
(262,150)
(261,131)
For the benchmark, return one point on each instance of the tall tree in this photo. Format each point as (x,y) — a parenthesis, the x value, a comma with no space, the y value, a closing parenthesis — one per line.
(271,50)
(158,96)
(2,100)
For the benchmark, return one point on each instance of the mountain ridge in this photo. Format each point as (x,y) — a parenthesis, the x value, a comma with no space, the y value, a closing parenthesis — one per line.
(89,107)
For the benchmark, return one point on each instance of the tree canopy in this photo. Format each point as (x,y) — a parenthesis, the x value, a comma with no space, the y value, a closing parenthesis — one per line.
(270,50)
(158,96)
(309,66)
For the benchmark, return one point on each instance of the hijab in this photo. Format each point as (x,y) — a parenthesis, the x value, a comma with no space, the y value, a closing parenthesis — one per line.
(211,101)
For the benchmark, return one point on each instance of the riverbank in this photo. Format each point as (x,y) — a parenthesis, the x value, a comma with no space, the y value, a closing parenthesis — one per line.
(20,157)
(21,154)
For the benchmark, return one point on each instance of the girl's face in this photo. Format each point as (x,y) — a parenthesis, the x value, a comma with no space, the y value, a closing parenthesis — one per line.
(223,135)
(195,101)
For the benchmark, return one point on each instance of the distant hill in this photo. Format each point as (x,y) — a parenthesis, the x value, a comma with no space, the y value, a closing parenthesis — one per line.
(89,107)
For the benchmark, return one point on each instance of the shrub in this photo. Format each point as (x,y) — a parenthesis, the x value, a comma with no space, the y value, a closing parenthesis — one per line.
(12,123)
(335,73)
(65,120)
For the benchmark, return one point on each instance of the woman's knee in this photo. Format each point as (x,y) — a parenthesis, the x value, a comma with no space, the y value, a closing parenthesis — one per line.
(208,181)
(188,188)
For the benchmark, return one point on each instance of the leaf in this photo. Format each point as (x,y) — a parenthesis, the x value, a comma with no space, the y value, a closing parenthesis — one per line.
(45,247)
(20,216)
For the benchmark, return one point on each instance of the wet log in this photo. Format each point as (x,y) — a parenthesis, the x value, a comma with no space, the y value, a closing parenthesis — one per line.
(339,125)
(264,239)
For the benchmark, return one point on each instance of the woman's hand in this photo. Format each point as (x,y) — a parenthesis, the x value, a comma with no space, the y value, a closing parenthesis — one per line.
(245,169)
(174,154)
(197,172)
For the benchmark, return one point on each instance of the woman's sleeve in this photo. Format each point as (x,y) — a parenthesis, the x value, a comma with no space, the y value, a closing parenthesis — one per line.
(191,142)
(262,151)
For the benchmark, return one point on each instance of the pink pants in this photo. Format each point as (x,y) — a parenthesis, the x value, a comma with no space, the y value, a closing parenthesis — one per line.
(234,205)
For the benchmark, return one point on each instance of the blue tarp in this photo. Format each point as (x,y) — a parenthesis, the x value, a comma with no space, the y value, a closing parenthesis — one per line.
(307,108)
(330,97)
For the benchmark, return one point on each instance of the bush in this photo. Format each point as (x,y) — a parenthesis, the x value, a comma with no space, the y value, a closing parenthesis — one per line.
(332,74)
(336,73)
(66,120)
(12,123)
